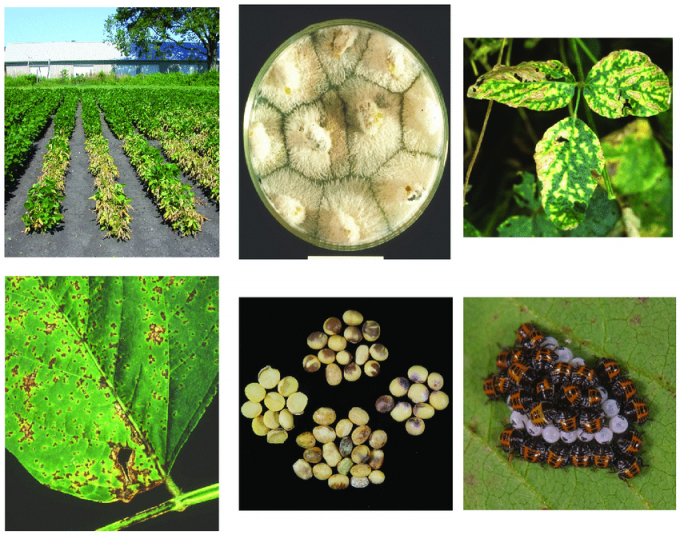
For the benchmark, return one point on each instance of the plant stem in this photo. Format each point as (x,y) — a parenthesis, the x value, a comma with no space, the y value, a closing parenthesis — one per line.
(178,503)
(586,50)
(563,57)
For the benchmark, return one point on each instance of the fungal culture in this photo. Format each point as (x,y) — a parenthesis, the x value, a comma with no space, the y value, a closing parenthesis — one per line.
(345,134)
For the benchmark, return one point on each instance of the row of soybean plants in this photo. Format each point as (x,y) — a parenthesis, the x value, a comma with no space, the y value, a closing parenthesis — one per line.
(26,114)
(175,200)
(43,208)
(186,122)
(111,203)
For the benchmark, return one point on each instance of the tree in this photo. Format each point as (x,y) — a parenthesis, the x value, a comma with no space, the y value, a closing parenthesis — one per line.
(149,28)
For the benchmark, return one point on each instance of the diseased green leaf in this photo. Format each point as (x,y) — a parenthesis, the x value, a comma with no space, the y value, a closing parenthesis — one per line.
(469,230)
(525,192)
(601,217)
(522,226)
(106,377)
(639,333)
(627,83)
(569,161)
(537,85)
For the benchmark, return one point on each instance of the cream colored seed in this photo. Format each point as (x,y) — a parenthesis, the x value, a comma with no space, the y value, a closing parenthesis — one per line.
(423,410)
(271,419)
(353,334)
(384,404)
(259,428)
(311,363)
(402,411)
(337,342)
(277,436)
(361,454)
(417,374)
(371,330)
(255,392)
(324,433)
(317,340)
(418,393)
(352,317)
(372,368)
(361,434)
(338,481)
(376,459)
(326,356)
(274,401)
(286,420)
(251,409)
(345,466)
(343,427)
(399,387)
(358,416)
(360,470)
(324,416)
(313,455)
(302,469)
(331,454)
(352,372)
(332,326)
(287,386)
(439,400)
(305,440)
(359,482)
(376,477)
(377,439)
(343,358)
(268,377)
(379,352)
(361,354)
(346,446)
(415,426)
(435,381)
(296,403)
(322,471)
(333,374)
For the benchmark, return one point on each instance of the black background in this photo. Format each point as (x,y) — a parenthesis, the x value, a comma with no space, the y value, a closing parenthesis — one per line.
(418,470)
(262,30)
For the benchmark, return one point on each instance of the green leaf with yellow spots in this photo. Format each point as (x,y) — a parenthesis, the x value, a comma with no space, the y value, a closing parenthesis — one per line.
(106,377)
(569,161)
(537,85)
(627,83)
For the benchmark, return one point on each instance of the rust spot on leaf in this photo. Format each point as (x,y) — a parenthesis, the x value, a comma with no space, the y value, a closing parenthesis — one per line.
(191,296)
(29,382)
(15,371)
(49,327)
(154,334)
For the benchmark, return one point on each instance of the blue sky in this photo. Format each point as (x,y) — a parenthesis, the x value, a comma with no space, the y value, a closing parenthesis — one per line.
(47,24)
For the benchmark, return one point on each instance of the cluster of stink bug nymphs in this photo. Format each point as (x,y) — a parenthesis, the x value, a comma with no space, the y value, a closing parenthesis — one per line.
(565,412)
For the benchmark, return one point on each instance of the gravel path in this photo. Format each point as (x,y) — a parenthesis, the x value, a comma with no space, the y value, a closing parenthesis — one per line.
(80,235)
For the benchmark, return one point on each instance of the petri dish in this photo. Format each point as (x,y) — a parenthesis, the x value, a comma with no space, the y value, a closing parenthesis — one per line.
(345,134)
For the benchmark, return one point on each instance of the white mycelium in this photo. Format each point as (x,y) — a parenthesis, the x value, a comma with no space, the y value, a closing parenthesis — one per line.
(346,136)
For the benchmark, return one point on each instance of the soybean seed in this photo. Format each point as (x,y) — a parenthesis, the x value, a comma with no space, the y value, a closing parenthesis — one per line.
(311,364)
(317,340)
(343,358)
(343,427)
(417,374)
(287,386)
(359,482)
(338,481)
(313,455)
(255,392)
(346,447)
(345,466)
(296,403)
(326,355)
(324,433)
(337,342)
(333,374)
(251,409)
(435,381)
(324,416)
(332,326)
(377,439)
(423,410)
(361,354)
(376,459)
(353,334)
(331,454)
(371,330)
(360,470)
(322,471)
(286,420)
(379,352)
(399,387)
(402,411)
(439,400)
(302,469)
(415,426)
(376,477)
(361,454)
(352,317)
(418,393)
(372,368)
(305,440)
(271,419)
(384,404)
(352,372)
(361,434)
(358,416)
(274,401)
(259,428)
(268,377)
(277,436)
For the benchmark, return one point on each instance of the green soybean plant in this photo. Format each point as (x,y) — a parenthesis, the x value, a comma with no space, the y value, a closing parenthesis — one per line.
(571,161)
(106,378)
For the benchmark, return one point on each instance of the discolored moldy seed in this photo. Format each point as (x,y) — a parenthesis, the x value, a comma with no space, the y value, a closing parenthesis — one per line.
(296,403)
(271,419)
(379,352)
(259,428)
(277,436)
(332,326)
(361,454)
(371,330)
(343,427)
(402,411)
(435,381)
(353,334)
(384,404)
(251,409)
(377,439)
(343,358)
(417,374)
(358,416)
(337,342)
(423,410)
(311,363)
(352,372)
(439,400)
(372,368)
(415,426)
(268,377)
(333,374)
(324,434)
(376,459)
(346,446)
(326,356)
(306,440)
(360,470)
(274,401)
(376,477)
(286,420)
(362,354)
(287,386)
(317,340)
(322,471)
(399,387)
(313,455)
(418,393)
(361,434)
(324,416)
(345,466)
(302,469)
(331,454)
(255,392)
(338,482)
(352,317)
(359,482)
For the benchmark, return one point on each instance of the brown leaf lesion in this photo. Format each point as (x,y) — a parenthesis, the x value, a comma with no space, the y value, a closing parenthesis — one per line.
(29,383)
(128,474)
(155,334)
(25,428)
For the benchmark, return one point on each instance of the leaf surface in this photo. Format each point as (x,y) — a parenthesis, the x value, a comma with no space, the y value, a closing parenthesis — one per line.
(625,83)
(537,85)
(639,333)
(106,377)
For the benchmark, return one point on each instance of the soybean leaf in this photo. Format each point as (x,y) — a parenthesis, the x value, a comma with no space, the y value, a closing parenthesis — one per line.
(537,85)
(525,192)
(469,230)
(602,215)
(625,83)
(569,161)
(522,226)
(106,378)
(639,333)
